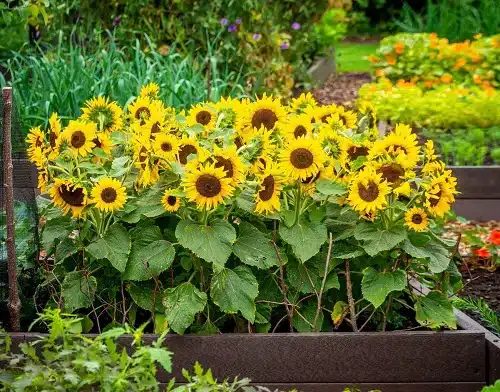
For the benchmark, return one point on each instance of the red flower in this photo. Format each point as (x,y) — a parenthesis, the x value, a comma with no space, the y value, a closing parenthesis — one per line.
(483,253)
(495,237)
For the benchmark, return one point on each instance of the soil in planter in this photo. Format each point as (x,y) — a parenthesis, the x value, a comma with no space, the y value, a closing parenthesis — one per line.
(483,284)
(341,88)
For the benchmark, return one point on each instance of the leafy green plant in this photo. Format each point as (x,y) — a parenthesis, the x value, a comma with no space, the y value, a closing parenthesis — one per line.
(67,360)
(492,388)
(490,318)
(456,20)
(467,147)
(62,79)
(332,27)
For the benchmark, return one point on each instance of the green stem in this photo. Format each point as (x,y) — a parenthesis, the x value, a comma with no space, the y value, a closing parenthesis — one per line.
(297,205)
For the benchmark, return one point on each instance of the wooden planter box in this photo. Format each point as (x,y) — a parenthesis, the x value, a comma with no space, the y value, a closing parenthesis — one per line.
(411,361)
(480,192)
(322,68)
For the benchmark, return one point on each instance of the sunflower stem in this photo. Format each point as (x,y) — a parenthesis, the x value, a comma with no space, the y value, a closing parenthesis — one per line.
(297,205)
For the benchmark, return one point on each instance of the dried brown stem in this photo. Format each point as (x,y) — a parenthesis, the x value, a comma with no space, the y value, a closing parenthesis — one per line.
(350,298)
(320,295)
(386,313)
(124,305)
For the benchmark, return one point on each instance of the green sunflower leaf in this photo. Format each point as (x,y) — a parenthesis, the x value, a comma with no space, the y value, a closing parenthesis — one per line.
(305,238)
(114,246)
(254,248)
(377,239)
(376,286)
(181,305)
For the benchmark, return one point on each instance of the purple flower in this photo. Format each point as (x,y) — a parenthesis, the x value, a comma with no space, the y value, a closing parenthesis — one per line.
(232,28)
(256,36)
(296,26)
(224,21)
(284,45)
(116,21)
(238,21)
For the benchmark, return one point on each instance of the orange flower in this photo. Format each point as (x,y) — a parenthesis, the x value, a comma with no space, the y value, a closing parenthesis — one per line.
(428,83)
(399,47)
(373,59)
(390,60)
(379,73)
(495,42)
(446,78)
(477,79)
(495,237)
(482,253)
(460,63)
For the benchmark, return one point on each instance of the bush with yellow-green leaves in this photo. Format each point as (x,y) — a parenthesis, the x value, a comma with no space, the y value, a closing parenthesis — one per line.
(242,215)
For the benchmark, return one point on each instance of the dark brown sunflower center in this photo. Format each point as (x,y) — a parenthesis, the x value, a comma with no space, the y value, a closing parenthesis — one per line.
(356,152)
(301,158)
(142,113)
(299,131)
(238,141)
(369,193)
(73,196)
(97,143)
(417,219)
(391,173)
(171,200)
(264,117)
(396,148)
(203,117)
(166,147)
(38,142)
(325,118)
(155,128)
(142,157)
(78,139)
(185,151)
(226,164)
(108,195)
(52,139)
(208,185)
(435,200)
(268,191)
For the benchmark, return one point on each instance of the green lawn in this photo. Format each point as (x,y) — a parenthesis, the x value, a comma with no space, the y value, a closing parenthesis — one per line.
(351,56)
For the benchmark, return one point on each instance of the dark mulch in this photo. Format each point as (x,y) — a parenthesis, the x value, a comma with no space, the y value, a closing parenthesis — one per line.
(341,88)
(485,285)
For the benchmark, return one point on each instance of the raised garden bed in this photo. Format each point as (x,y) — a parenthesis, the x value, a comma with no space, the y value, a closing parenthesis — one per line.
(459,361)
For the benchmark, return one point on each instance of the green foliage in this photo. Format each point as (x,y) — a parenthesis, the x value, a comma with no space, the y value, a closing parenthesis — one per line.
(455,20)
(67,360)
(479,306)
(332,27)
(492,388)
(467,147)
(353,56)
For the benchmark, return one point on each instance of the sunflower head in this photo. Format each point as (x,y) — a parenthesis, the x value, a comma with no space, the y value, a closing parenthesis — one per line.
(352,150)
(263,113)
(166,146)
(401,145)
(36,147)
(103,141)
(228,112)
(228,159)
(69,196)
(207,186)
(79,136)
(170,201)
(107,115)
(267,198)
(439,195)
(367,192)
(143,108)
(204,115)
(416,219)
(108,195)
(304,101)
(150,91)
(189,148)
(296,127)
(302,158)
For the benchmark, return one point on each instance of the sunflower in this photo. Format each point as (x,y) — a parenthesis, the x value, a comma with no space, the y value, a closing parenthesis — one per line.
(308,185)
(267,198)
(348,117)
(304,101)
(148,171)
(107,115)
(36,146)
(155,124)
(54,137)
(264,112)
(166,146)
(351,150)
(367,192)
(439,195)
(207,186)
(297,126)
(322,113)
(228,112)
(43,178)
(331,141)
(69,196)
(401,144)
(170,202)
(202,114)
(430,153)
(416,219)
(302,158)
(228,159)
(189,148)
(109,195)
(150,91)
(103,141)
(143,108)
(80,135)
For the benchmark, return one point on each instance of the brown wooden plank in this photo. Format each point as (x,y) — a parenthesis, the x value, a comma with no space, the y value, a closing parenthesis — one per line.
(478,209)
(365,387)
(482,182)
(452,356)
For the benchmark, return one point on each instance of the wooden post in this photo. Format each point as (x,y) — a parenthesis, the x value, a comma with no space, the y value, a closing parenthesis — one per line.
(14,303)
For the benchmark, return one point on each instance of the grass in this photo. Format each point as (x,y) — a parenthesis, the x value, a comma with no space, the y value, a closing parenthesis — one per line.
(63,78)
(352,56)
